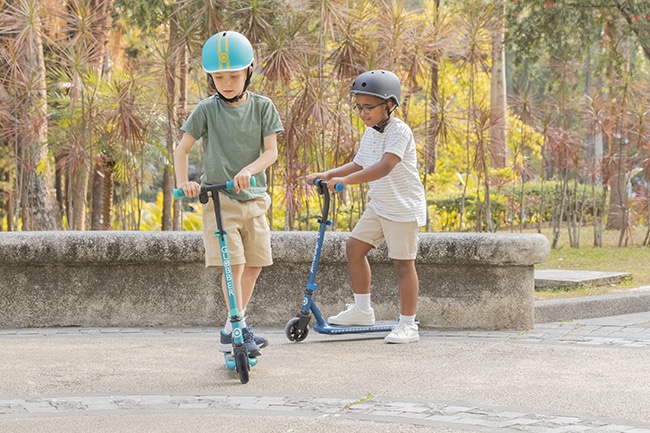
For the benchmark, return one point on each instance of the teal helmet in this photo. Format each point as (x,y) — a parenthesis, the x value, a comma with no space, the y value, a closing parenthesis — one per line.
(379,83)
(227,51)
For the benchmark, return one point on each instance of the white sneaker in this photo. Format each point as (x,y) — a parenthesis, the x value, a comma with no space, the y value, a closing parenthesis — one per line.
(403,333)
(353,316)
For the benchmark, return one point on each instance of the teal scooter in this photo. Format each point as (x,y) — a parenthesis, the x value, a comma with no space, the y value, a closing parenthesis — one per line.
(238,359)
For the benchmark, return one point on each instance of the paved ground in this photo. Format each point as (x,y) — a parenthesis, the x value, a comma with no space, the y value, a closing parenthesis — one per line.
(587,375)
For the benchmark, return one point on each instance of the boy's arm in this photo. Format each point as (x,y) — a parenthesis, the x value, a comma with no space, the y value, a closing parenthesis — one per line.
(376,171)
(181,164)
(343,170)
(266,159)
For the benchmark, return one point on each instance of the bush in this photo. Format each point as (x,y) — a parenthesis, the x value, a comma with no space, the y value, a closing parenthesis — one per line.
(537,203)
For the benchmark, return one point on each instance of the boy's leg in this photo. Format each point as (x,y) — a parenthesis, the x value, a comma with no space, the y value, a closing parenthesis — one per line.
(360,313)
(358,266)
(244,279)
(406,331)
(407,281)
(249,243)
(402,240)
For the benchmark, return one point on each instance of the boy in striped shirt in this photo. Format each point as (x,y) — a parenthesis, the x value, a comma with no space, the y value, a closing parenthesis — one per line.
(387,161)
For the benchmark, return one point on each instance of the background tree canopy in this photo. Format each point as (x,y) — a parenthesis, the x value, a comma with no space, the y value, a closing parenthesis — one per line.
(525,113)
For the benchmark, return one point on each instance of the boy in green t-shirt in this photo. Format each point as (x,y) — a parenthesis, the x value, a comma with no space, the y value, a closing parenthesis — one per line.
(238,133)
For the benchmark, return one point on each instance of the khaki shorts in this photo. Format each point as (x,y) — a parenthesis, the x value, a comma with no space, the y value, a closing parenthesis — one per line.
(401,237)
(248,232)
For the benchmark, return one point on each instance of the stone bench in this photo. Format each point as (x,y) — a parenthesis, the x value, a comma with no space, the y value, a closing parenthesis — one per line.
(133,279)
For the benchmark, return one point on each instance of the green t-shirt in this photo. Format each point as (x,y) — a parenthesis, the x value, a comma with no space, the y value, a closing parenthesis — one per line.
(233,137)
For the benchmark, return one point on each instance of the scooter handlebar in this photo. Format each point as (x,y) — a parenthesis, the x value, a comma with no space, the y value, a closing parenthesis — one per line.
(339,187)
(179,193)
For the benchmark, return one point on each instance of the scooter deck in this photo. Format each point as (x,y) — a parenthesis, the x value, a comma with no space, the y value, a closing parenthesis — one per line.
(230,361)
(379,326)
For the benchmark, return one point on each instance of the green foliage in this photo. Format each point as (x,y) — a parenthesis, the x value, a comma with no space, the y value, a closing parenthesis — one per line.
(192,217)
(538,27)
(147,15)
(511,207)
(305,61)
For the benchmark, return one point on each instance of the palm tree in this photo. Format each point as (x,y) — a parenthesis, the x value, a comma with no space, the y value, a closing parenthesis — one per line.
(473,49)
(21,37)
(84,59)
(498,90)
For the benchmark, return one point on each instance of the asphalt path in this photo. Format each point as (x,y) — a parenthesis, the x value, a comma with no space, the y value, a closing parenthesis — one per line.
(588,375)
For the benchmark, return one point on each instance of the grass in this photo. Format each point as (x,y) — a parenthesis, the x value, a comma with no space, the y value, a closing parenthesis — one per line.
(633,259)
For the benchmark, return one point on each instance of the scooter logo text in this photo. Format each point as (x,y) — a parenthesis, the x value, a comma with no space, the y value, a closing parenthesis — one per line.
(227,271)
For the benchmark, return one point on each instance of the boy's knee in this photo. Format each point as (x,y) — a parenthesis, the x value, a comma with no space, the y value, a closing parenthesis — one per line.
(354,247)
(404,267)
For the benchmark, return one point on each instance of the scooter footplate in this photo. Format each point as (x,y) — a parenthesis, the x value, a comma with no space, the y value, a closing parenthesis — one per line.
(230,361)
(380,326)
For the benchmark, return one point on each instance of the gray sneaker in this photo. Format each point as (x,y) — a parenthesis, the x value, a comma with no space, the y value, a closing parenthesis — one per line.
(252,342)
(353,316)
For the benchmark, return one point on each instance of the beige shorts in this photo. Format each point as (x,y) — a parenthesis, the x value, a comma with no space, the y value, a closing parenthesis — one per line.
(248,233)
(401,237)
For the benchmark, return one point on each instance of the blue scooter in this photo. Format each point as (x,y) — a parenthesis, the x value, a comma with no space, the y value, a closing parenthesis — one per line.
(238,359)
(297,328)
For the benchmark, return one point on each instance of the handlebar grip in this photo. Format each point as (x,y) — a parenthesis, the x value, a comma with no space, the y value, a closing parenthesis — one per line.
(231,183)
(178,193)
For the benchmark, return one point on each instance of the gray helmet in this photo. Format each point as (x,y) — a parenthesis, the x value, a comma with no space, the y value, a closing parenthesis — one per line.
(379,83)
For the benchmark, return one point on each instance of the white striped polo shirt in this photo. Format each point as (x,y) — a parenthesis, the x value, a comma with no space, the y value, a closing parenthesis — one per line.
(398,196)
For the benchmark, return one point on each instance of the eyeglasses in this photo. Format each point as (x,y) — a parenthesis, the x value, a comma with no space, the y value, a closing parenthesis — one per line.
(366,109)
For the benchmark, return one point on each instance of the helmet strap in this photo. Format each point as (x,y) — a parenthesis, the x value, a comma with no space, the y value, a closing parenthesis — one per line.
(382,125)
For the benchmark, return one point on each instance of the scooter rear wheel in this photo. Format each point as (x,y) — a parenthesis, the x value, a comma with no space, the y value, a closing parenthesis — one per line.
(293,332)
(243,368)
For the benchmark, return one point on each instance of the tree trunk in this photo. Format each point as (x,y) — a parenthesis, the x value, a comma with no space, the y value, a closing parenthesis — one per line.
(107,212)
(434,123)
(646,240)
(97,197)
(80,192)
(170,94)
(617,186)
(181,114)
(498,95)
(434,103)
(39,209)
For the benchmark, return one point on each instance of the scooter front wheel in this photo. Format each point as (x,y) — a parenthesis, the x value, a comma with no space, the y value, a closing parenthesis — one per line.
(242,366)
(293,331)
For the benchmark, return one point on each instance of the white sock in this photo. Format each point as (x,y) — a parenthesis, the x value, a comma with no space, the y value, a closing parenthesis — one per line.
(409,320)
(362,301)
(242,314)
(228,326)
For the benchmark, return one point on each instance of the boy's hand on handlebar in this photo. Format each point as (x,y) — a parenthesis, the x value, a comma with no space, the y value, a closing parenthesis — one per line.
(242,180)
(312,177)
(190,189)
(331,184)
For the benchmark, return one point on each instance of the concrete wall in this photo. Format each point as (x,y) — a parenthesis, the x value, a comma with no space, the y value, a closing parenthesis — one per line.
(467,280)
